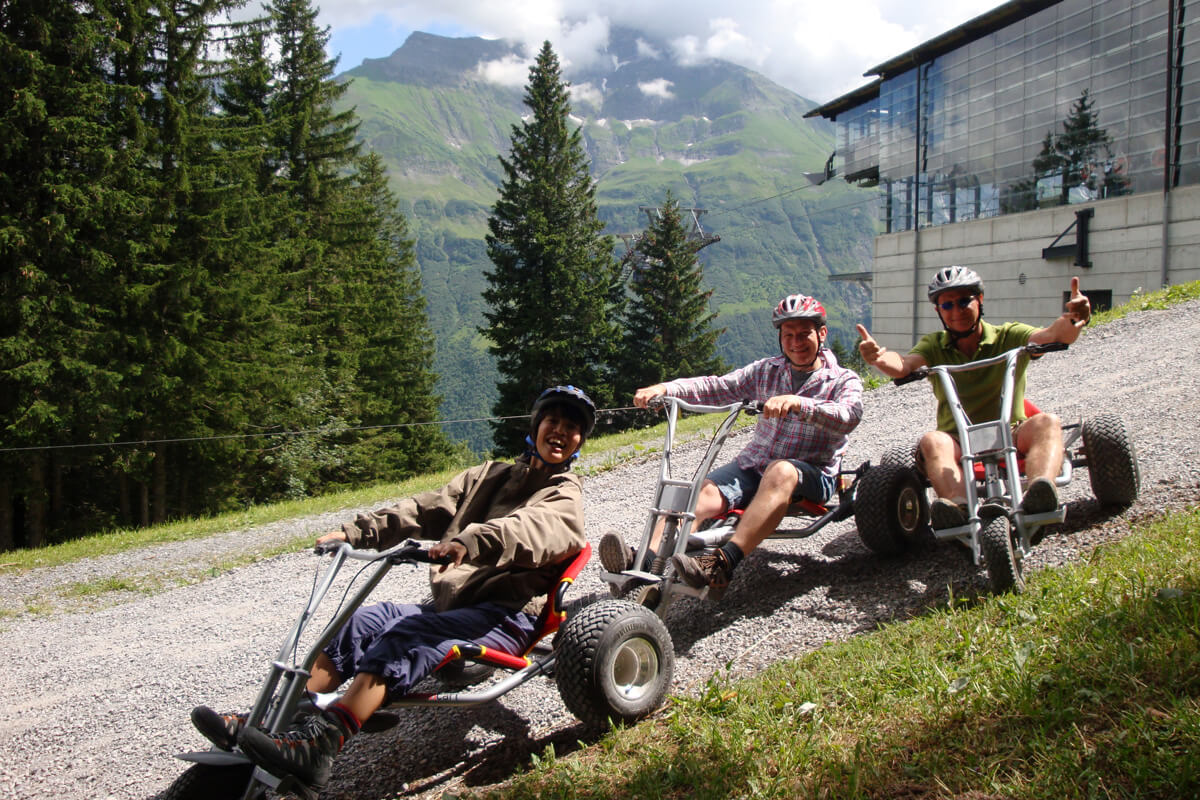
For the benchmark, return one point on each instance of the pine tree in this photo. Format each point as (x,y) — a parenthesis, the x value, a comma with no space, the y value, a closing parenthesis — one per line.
(554,287)
(314,152)
(668,325)
(1077,155)
(179,338)
(63,196)
(394,390)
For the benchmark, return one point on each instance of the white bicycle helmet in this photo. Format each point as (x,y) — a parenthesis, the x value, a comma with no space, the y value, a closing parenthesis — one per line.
(798,306)
(954,278)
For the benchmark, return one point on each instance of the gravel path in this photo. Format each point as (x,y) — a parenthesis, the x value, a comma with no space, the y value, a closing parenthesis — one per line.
(95,699)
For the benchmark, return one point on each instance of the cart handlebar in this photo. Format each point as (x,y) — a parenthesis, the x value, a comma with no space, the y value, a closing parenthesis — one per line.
(410,551)
(748,406)
(920,373)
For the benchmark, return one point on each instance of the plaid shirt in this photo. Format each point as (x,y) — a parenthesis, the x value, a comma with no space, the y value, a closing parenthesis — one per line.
(819,435)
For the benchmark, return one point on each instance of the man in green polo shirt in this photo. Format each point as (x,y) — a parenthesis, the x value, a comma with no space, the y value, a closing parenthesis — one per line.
(957,294)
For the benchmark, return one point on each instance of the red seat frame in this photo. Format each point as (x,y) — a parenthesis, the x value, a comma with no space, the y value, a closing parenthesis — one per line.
(547,624)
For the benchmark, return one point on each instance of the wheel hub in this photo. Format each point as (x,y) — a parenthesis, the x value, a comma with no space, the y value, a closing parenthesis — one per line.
(634,667)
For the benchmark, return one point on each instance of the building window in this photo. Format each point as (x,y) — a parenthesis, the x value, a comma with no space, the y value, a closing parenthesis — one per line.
(1101,299)
(995,126)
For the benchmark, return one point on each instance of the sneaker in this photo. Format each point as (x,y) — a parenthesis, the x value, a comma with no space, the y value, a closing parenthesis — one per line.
(1040,497)
(220,729)
(301,758)
(708,569)
(945,513)
(615,556)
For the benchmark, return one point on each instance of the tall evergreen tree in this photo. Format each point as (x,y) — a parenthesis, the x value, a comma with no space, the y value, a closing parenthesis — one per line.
(174,344)
(554,287)
(315,151)
(394,390)
(668,324)
(63,195)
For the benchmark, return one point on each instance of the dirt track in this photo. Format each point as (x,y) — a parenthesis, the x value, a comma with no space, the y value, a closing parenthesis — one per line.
(95,702)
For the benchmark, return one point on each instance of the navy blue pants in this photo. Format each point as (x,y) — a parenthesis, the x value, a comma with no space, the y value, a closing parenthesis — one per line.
(403,643)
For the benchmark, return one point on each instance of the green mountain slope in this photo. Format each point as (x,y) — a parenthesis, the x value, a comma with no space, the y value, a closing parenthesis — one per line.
(721,137)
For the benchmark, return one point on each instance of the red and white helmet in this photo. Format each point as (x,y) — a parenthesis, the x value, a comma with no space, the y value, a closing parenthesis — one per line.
(798,306)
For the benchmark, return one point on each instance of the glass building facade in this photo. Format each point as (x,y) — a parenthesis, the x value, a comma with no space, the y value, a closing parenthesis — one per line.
(1066,105)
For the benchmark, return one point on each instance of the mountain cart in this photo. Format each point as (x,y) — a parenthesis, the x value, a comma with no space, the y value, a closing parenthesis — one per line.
(611,660)
(998,532)
(888,504)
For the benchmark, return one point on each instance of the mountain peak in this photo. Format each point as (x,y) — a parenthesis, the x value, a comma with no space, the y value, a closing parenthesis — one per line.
(429,59)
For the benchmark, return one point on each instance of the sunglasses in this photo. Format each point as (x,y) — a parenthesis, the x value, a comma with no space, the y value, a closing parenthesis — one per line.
(962,302)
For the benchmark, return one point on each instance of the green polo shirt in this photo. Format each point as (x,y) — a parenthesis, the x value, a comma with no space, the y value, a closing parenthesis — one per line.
(978,389)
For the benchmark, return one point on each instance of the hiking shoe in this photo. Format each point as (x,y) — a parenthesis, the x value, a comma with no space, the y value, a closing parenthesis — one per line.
(220,729)
(1040,497)
(301,758)
(708,569)
(945,513)
(615,555)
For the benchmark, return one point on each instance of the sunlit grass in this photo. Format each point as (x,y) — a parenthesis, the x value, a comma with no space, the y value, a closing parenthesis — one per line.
(600,453)
(1088,685)
(1156,300)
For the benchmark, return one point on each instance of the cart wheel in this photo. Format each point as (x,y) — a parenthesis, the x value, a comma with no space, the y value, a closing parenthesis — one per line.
(614,663)
(891,510)
(648,595)
(212,782)
(1111,460)
(903,455)
(1003,563)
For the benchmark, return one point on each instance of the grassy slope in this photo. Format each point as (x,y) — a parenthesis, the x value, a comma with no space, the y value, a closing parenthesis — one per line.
(1088,685)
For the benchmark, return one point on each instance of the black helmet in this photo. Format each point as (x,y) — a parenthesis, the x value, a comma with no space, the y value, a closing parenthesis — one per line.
(576,402)
(954,278)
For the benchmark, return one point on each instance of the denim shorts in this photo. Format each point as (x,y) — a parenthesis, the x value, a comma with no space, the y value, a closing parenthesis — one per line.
(738,485)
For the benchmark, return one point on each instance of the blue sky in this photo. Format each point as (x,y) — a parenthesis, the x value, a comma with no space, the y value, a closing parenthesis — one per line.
(817,48)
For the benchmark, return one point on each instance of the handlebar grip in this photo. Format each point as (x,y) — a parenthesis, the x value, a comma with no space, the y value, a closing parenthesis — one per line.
(1048,347)
(324,548)
(424,557)
(918,374)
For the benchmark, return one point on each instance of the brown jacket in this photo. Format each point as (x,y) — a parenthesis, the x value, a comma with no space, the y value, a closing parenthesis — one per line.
(518,524)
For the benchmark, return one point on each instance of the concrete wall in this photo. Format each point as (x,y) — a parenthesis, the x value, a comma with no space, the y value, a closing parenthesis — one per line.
(1125,250)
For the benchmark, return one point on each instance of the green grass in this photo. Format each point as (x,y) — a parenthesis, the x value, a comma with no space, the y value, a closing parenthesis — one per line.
(1150,301)
(601,453)
(124,539)
(1088,685)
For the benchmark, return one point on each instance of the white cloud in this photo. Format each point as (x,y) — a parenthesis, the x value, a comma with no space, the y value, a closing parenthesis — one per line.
(660,87)
(586,93)
(647,50)
(817,48)
(509,71)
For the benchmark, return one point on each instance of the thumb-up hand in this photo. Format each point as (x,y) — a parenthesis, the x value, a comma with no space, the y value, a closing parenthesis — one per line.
(868,348)
(1079,308)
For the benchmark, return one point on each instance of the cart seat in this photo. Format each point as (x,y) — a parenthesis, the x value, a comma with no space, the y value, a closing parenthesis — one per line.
(806,508)
(547,624)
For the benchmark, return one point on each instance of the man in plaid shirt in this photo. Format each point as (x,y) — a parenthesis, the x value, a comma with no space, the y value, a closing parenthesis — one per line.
(810,406)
